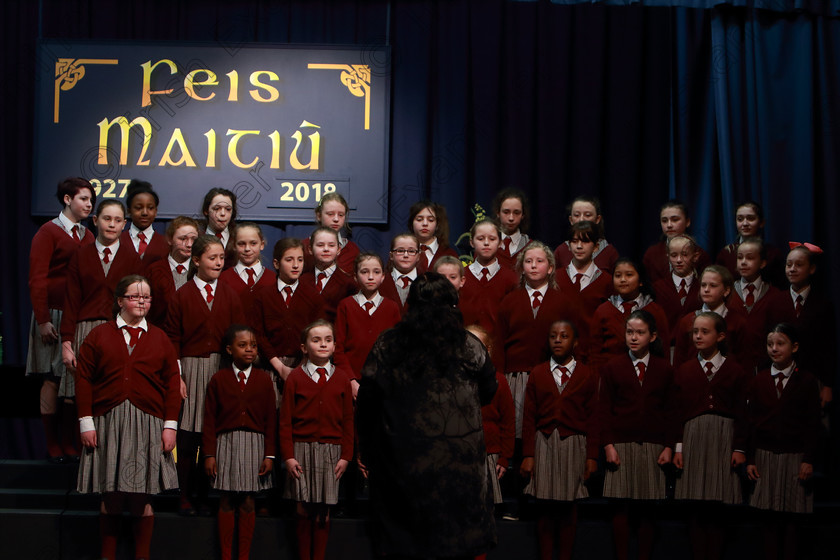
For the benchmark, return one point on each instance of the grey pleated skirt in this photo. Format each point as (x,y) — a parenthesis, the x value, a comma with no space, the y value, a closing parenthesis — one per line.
(707,455)
(128,457)
(44,358)
(317,483)
(239,455)
(558,468)
(779,487)
(518,380)
(67,387)
(639,476)
(495,487)
(197,373)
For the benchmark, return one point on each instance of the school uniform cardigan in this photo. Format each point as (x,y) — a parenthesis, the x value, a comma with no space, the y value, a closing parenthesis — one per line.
(48,259)
(817,331)
(278,326)
(657,266)
(157,249)
(246,294)
(572,412)
(754,336)
(509,261)
(607,338)
(593,295)
(441,251)
(339,286)
(630,411)
(196,330)
(790,424)
(346,260)
(107,374)
(89,293)
(604,258)
(725,395)
(228,408)
(162,285)
(479,301)
(316,413)
(521,338)
(736,326)
(667,296)
(356,331)
(498,419)
(389,291)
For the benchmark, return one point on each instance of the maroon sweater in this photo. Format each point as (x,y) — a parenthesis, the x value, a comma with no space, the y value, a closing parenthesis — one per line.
(790,424)
(356,332)
(156,250)
(316,413)
(421,267)
(498,418)
(90,294)
(754,336)
(48,259)
(196,330)
(389,291)
(339,286)
(572,412)
(634,412)
(479,302)
(668,298)
(607,335)
(246,294)
(278,326)
(107,374)
(227,408)
(725,395)
(163,290)
(521,338)
(509,261)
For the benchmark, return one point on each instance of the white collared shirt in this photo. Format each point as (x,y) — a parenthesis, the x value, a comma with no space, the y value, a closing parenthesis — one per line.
(201,283)
(717,361)
(786,373)
(432,248)
(492,269)
(720,310)
(67,224)
(376,300)
(396,275)
(246,371)
(114,247)
(281,285)
(225,234)
(636,361)
(309,368)
(240,268)
(804,293)
(557,374)
(689,280)
(588,274)
(173,264)
(134,232)
(514,240)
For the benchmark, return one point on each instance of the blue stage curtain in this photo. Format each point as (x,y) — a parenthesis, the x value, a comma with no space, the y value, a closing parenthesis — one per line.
(817,7)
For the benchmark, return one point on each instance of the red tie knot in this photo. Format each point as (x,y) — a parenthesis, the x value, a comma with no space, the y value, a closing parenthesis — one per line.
(506,243)
(241,376)
(106,252)
(76,233)
(133,335)
(641,367)
(485,274)
(537,300)
(405,281)
(287,291)
(251,274)
(180,269)
(219,235)
(320,280)
(209,289)
(368,306)
(322,375)
(628,306)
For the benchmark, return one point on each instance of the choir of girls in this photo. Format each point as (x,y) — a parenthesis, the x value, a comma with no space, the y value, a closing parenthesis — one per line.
(718,373)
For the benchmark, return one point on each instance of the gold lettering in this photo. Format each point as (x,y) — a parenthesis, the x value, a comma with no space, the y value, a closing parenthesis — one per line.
(190,83)
(273,94)
(276,146)
(315,149)
(104,129)
(211,148)
(177,139)
(232,147)
(233,75)
(148,68)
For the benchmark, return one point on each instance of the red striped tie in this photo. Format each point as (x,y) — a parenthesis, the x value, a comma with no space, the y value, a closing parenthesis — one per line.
(322,375)
(750,299)
(250,272)
(642,368)
(241,380)
(76,233)
(106,252)
(209,289)
(141,247)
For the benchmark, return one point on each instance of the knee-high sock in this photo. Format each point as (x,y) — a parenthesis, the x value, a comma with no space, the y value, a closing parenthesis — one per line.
(109,528)
(321,532)
(143,527)
(187,448)
(70,437)
(247,520)
(304,537)
(226,527)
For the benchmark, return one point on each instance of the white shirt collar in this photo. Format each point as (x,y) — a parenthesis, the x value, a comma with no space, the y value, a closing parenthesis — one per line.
(115,246)
(246,371)
(396,274)
(134,231)
(588,273)
(142,324)
(309,368)
(201,283)
(804,293)
(689,280)
(281,285)
(635,360)
(717,361)
(257,267)
(542,290)
(514,238)
(328,271)
(492,268)
(68,224)
(720,310)
(173,264)
(758,283)
(361,299)
(787,372)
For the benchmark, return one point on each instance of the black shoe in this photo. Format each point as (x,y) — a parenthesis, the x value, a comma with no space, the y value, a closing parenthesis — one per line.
(60,460)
